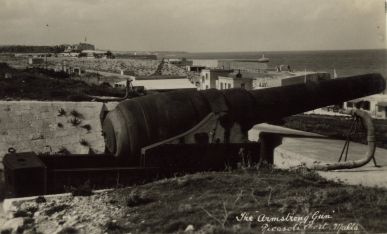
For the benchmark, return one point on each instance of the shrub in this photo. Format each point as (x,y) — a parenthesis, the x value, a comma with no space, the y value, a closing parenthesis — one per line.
(84,189)
(84,142)
(76,114)
(40,199)
(75,121)
(136,199)
(61,112)
(87,127)
(62,150)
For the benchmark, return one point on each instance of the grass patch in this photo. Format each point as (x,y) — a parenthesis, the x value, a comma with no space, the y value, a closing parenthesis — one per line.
(223,202)
(38,84)
(40,199)
(87,127)
(138,199)
(76,114)
(214,200)
(75,121)
(61,112)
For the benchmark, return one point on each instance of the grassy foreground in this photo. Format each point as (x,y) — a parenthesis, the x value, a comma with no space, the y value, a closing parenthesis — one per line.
(243,201)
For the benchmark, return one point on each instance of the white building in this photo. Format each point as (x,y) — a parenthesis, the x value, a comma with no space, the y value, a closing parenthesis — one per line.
(268,79)
(375,105)
(209,77)
(276,79)
(68,54)
(35,61)
(232,82)
(159,84)
(208,63)
(93,54)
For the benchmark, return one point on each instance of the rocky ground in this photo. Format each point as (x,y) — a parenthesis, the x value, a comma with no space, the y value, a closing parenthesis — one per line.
(243,201)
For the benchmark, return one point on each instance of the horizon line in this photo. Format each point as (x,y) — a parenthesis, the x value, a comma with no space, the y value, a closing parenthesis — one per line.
(199,52)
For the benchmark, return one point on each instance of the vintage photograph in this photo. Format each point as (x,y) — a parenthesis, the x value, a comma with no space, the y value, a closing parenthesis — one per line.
(193,116)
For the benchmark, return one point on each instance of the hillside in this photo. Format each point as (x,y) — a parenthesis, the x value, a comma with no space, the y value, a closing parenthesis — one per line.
(243,201)
(40,84)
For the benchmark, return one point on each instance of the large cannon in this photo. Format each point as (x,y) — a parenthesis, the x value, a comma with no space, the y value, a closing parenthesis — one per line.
(161,134)
(137,123)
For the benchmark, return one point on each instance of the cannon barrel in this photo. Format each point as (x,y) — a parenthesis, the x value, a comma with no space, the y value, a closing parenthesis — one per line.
(142,121)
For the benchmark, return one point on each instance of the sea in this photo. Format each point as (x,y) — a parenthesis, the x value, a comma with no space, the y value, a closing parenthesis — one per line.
(343,62)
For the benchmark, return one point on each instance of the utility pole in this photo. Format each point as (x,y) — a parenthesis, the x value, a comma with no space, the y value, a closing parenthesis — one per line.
(45,54)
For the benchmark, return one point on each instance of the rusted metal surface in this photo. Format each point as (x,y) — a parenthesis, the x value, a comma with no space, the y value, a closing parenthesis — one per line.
(143,121)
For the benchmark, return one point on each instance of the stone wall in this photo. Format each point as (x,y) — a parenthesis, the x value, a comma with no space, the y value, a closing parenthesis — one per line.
(52,127)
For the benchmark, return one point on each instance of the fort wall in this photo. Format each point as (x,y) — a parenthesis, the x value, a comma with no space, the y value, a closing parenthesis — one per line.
(52,127)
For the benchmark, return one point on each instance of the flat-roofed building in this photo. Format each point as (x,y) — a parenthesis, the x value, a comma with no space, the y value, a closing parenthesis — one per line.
(232,82)
(157,84)
(209,77)
(208,63)
(94,54)
(194,68)
(249,80)
(276,79)
(375,105)
(35,61)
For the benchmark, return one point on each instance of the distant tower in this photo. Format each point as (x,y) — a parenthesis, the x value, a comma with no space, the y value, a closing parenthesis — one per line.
(86,37)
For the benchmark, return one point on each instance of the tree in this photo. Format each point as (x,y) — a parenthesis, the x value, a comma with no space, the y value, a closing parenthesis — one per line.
(109,54)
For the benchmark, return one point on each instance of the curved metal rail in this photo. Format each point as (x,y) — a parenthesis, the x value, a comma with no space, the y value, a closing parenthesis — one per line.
(368,124)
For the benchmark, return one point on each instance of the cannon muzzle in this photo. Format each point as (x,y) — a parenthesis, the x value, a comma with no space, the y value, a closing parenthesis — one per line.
(139,122)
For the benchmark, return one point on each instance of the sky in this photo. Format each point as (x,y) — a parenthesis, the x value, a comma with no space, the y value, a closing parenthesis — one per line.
(196,25)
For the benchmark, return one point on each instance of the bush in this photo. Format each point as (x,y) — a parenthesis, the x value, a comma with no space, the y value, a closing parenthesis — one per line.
(136,199)
(84,189)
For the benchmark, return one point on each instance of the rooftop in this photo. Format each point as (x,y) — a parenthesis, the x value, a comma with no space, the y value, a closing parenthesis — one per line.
(163,77)
(218,70)
(162,84)
(269,74)
(94,51)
